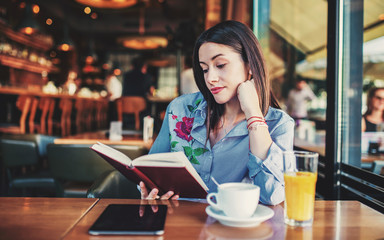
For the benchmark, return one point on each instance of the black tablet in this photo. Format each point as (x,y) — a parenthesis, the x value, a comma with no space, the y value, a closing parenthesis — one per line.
(127,219)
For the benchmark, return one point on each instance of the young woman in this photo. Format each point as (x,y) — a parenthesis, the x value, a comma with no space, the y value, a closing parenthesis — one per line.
(374,116)
(232,129)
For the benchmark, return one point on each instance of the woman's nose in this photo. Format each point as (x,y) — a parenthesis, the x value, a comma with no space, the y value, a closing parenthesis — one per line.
(212,77)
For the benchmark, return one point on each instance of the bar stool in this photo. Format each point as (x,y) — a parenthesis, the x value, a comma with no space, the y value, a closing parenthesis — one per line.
(104,114)
(79,119)
(23,103)
(89,114)
(98,109)
(40,106)
(64,122)
(45,102)
(32,115)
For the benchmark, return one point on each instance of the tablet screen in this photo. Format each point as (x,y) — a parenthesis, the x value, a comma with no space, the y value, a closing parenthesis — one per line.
(127,219)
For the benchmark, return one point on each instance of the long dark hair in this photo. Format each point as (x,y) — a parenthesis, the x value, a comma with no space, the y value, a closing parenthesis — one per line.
(370,96)
(241,39)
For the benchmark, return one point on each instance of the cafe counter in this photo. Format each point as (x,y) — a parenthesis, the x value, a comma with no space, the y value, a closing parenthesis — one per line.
(32,110)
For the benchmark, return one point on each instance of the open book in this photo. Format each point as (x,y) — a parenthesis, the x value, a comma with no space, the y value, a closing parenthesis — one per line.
(164,171)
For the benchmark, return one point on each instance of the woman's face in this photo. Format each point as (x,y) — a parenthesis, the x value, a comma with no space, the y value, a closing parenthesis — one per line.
(223,70)
(378,100)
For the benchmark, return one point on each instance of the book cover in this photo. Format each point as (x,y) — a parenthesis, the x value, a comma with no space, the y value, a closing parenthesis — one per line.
(164,171)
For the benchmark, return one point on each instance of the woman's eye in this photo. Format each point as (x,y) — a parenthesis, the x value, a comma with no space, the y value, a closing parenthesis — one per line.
(220,65)
(205,70)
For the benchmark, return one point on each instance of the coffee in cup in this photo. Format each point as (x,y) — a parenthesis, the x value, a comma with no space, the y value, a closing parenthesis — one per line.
(237,200)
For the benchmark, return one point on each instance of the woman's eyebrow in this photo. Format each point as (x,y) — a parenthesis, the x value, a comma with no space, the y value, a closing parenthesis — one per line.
(212,58)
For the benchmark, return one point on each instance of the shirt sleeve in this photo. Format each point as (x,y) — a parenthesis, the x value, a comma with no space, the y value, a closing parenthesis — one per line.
(268,173)
(162,143)
(310,94)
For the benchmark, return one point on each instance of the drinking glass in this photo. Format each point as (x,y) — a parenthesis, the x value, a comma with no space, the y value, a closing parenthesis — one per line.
(300,176)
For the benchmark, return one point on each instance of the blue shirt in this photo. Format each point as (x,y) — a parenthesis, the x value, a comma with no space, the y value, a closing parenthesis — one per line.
(230,159)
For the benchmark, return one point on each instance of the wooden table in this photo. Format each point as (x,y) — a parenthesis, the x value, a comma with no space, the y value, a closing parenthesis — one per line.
(333,220)
(132,138)
(40,218)
(70,218)
(369,158)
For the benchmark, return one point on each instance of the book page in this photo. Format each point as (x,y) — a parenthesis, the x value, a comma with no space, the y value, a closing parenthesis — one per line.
(112,153)
(171,159)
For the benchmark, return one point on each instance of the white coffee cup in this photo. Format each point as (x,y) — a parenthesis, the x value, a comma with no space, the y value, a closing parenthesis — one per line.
(237,200)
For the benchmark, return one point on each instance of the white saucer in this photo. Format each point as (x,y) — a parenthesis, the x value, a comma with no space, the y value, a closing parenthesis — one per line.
(261,214)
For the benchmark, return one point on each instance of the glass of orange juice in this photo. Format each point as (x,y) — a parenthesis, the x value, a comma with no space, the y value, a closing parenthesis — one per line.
(300,175)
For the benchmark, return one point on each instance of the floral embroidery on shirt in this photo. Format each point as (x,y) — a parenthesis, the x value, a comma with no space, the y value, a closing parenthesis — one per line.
(183,131)
(183,128)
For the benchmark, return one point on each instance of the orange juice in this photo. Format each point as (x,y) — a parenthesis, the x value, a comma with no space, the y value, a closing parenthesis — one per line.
(300,195)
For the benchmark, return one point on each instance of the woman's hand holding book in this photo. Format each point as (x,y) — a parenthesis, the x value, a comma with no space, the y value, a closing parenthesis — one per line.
(153,194)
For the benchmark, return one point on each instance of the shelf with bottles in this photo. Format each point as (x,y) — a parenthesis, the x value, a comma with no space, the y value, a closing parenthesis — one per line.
(23,64)
(28,53)
(38,42)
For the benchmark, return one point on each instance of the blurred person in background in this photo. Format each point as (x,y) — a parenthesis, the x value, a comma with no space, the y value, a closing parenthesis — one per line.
(137,82)
(297,100)
(114,89)
(373,118)
(113,86)
(187,80)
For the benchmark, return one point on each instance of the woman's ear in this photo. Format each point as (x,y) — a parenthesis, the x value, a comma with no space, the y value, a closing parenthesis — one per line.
(250,75)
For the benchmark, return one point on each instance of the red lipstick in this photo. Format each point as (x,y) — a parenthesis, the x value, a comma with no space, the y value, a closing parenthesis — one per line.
(216,90)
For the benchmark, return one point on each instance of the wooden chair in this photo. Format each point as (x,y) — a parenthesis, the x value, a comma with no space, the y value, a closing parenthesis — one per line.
(23,103)
(131,105)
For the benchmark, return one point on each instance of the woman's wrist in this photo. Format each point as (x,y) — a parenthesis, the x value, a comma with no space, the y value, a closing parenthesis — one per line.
(249,115)
(255,120)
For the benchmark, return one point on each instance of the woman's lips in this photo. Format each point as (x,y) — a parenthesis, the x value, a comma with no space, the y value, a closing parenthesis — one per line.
(216,90)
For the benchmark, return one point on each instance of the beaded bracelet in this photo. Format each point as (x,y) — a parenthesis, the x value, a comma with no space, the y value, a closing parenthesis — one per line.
(261,118)
(257,121)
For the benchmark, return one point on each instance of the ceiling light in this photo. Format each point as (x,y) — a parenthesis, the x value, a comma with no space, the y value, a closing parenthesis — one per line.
(91,55)
(36,9)
(66,43)
(28,24)
(114,4)
(143,42)
(87,10)
(48,21)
